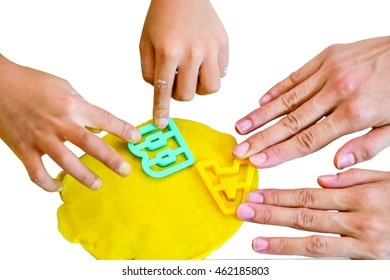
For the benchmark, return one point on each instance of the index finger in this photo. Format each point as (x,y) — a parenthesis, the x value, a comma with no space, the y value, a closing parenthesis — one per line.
(163,84)
(293,80)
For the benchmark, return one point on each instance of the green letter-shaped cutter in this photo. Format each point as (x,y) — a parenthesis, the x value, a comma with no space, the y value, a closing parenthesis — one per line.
(163,152)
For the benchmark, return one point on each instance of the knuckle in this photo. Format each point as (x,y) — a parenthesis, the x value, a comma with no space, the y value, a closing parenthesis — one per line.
(256,140)
(183,96)
(296,77)
(126,130)
(274,198)
(359,197)
(291,123)
(345,84)
(356,114)
(112,160)
(277,152)
(86,138)
(69,104)
(290,99)
(194,52)
(209,86)
(306,198)
(284,247)
(266,216)
(367,152)
(316,245)
(39,178)
(167,51)
(304,218)
(332,50)
(370,226)
(62,160)
(306,141)
(260,115)
(107,119)
(378,251)
(147,76)
(161,87)
(36,176)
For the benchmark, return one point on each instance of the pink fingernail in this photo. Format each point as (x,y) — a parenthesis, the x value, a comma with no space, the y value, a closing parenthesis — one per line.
(135,136)
(241,149)
(328,178)
(258,160)
(260,245)
(346,160)
(124,169)
(96,185)
(243,126)
(244,212)
(161,123)
(255,197)
(265,99)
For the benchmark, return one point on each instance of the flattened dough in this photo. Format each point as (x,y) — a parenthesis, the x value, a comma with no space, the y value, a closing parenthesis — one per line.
(140,217)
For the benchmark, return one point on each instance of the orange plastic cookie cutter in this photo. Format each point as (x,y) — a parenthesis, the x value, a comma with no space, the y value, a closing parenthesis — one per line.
(228,185)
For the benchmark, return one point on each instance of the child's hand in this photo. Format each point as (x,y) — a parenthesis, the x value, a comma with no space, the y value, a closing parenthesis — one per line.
(38,112)
(184,50)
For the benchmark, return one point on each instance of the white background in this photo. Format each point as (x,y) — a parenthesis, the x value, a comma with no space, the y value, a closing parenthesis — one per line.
(94,45)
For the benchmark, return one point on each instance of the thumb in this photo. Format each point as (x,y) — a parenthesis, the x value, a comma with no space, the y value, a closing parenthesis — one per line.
(352,177)
(363,148)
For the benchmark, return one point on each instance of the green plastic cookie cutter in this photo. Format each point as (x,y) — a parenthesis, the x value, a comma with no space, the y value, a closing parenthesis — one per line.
(165,161)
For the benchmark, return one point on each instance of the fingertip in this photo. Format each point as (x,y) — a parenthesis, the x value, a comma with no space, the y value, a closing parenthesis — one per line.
(328,178)
(245,212)
(258,160)
(244,126)
(124,169)
(345,160)
(97,184)
(266,98)
(135,136)
(260,244)
(327,181)
(161,123)
(52,186)
(60,188)
(255,197)
(240,150)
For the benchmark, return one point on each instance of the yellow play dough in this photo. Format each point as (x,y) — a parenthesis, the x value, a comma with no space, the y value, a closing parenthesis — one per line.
(140,217)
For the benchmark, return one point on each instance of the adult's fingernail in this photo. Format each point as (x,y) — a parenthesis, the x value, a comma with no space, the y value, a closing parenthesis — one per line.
(346,160)
(260,244)
(97,184)
(241,149)
(124,169)
(60,188)
(265,99)
(258,160)
(245,212)
(328,178)
(243,126)
(255,197)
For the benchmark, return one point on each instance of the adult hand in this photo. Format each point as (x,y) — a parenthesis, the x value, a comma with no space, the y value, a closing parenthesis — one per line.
(342,90)
(354,204)
(184,50)
(38,112)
